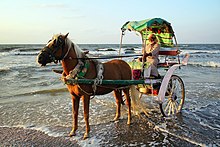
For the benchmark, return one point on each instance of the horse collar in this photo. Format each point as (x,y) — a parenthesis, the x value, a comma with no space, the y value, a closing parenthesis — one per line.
(80,69)
(83,70)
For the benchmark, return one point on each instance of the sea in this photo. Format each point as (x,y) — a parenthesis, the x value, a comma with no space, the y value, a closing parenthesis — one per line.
(34,97)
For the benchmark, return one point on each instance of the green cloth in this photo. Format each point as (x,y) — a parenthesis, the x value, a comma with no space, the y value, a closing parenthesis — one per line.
(82,73)
(143,24)
(157,26)
(138,65)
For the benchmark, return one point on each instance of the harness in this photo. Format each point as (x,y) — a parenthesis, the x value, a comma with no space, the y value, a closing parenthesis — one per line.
(80,71)
(59,44)
(99,78)
(82,66)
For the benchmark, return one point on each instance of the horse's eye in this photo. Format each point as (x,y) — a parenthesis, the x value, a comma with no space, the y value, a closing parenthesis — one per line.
(60,40)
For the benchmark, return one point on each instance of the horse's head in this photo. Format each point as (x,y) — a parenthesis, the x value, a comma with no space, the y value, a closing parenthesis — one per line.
(54,51)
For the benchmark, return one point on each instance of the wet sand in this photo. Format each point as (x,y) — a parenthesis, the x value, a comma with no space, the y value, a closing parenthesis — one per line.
(28,137)
(140,133)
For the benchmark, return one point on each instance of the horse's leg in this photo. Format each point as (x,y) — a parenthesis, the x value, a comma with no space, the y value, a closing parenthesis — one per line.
(75,109)
(86,101)
(118,98)
(128,103)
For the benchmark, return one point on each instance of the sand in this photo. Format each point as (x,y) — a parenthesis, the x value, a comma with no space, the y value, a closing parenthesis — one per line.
(28,137)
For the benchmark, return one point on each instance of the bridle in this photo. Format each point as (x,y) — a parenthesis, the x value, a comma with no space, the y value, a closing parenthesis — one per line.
(51,51)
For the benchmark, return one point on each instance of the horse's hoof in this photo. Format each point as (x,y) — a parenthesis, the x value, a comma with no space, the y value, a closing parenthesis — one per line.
(72,133)
(129,122)
(116,118)
(86,135)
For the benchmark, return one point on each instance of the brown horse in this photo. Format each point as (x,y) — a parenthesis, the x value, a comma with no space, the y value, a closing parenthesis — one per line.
(60,48)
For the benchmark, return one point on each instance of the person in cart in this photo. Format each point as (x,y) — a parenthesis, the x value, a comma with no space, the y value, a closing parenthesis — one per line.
(151,53)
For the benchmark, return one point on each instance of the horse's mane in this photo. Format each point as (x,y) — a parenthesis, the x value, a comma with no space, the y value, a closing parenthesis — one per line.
(78,50)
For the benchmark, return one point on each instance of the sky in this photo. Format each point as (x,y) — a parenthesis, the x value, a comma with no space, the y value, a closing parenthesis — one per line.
(99,21)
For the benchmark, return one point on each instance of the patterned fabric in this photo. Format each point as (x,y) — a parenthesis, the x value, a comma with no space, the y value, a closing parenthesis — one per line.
(157,26)
(83,70)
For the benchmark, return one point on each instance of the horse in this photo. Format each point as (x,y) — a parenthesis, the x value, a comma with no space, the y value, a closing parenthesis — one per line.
(61,49)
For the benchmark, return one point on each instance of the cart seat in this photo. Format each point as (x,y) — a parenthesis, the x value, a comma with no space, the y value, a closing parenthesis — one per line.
(169,53)
(167,62)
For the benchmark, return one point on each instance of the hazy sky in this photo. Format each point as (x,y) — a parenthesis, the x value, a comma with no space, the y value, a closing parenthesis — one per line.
(99,21)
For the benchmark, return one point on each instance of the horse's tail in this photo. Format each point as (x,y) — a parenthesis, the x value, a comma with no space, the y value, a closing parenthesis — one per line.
(137,105)
(135,99)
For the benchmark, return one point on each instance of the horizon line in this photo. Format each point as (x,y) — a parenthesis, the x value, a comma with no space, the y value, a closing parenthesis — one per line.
(99,43)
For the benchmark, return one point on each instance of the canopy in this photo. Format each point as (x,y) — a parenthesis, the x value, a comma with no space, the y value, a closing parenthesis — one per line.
(160,27)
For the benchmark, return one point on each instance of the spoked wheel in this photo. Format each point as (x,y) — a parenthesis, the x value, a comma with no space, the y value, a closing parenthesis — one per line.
(174,97)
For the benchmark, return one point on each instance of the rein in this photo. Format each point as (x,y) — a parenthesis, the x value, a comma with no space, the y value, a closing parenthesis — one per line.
(109,57)
(82,66)
(52,53)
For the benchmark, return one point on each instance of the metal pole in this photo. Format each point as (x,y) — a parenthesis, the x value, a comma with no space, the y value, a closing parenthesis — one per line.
(122,34)
(176,47)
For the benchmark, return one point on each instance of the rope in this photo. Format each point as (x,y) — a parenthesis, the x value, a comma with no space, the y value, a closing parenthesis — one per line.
(108,57)
(89,94)
(108,87)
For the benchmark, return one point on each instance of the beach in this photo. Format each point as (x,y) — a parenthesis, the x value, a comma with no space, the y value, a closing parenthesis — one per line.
(140,133)
(28,137)
(35,106)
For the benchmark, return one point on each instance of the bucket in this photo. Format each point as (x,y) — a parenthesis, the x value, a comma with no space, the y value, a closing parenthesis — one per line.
(147,72)
(155,92)
(136,74)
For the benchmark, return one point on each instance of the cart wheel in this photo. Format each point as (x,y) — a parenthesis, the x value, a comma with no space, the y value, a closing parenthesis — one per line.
(174,97)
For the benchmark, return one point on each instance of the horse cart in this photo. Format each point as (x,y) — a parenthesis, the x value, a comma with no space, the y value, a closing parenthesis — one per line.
(86,76)
(168,89)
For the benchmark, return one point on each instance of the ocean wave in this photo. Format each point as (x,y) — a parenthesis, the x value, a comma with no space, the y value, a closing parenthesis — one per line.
(2,54)
(4,70)
(105,49)
(26,54)
(25,51)
(20,48)
(129,51)
(46,91)
(30,49)
(183,45)
(8,48)
(205,64)
(201,51)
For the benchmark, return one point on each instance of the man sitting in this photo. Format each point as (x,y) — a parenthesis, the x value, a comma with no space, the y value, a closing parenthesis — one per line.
(150,54)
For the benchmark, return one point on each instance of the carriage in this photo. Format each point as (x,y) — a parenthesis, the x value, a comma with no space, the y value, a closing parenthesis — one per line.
(169,89)
(86,77)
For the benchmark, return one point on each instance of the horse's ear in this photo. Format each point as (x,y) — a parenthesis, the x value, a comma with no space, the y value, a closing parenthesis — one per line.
(54,41)
(66,35)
